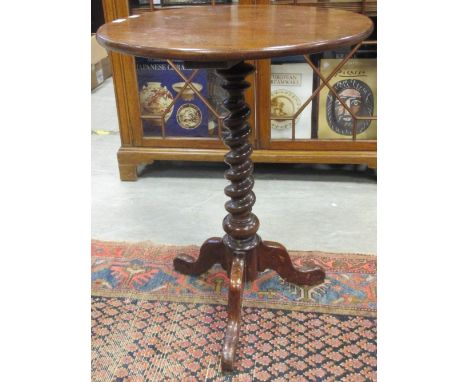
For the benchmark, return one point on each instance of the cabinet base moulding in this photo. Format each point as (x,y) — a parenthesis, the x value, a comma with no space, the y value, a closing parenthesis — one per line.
(131,157)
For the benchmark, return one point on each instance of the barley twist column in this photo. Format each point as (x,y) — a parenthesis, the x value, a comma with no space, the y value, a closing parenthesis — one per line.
(240,224)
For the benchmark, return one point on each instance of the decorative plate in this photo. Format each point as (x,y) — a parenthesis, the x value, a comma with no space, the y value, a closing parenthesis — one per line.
(189,116)
(284,103)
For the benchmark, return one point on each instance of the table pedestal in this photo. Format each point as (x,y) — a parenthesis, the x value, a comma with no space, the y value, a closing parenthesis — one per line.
(241,252)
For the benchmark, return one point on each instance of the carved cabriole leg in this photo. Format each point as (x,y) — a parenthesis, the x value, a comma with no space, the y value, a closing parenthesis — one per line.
(236,289)
(211,252)
(274,256)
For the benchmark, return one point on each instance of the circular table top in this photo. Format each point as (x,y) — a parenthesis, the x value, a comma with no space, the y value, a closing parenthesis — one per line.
(238,32)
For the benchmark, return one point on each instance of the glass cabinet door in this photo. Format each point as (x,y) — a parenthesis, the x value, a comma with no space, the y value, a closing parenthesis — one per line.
(291,85)
(176,101)
(330,96)
(178,105)
(326,100)
(324,97)
(348,106)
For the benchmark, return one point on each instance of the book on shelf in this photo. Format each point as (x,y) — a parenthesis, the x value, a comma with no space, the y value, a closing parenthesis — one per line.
(159,85)
(356,85)
(291,85)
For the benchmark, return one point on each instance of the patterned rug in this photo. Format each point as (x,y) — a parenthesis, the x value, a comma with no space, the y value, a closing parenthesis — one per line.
(150,323)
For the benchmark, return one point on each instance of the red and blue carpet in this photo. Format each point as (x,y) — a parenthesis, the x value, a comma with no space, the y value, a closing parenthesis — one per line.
(150,323)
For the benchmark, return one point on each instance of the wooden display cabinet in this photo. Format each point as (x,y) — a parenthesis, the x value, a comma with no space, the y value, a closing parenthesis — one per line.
(138,148)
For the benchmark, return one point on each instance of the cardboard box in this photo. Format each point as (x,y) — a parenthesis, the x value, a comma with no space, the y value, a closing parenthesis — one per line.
(100,64)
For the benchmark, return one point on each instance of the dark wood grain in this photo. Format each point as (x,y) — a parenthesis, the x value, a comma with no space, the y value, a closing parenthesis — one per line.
(212,252)
(240,224)
(243,266)
(236,289)
(240,32)
(271,255)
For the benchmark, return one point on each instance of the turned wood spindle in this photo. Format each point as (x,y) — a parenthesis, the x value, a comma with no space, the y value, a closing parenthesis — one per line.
(240,224)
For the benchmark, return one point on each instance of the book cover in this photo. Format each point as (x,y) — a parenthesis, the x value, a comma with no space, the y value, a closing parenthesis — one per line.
(356,84)
(158,85)
(291,85)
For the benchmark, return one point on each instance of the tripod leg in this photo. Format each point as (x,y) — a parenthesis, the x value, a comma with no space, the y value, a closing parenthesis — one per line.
(212,251)
(274,256)
(236,288)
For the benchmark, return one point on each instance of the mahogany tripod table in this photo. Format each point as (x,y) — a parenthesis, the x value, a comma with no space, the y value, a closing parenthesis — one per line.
(222,37)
